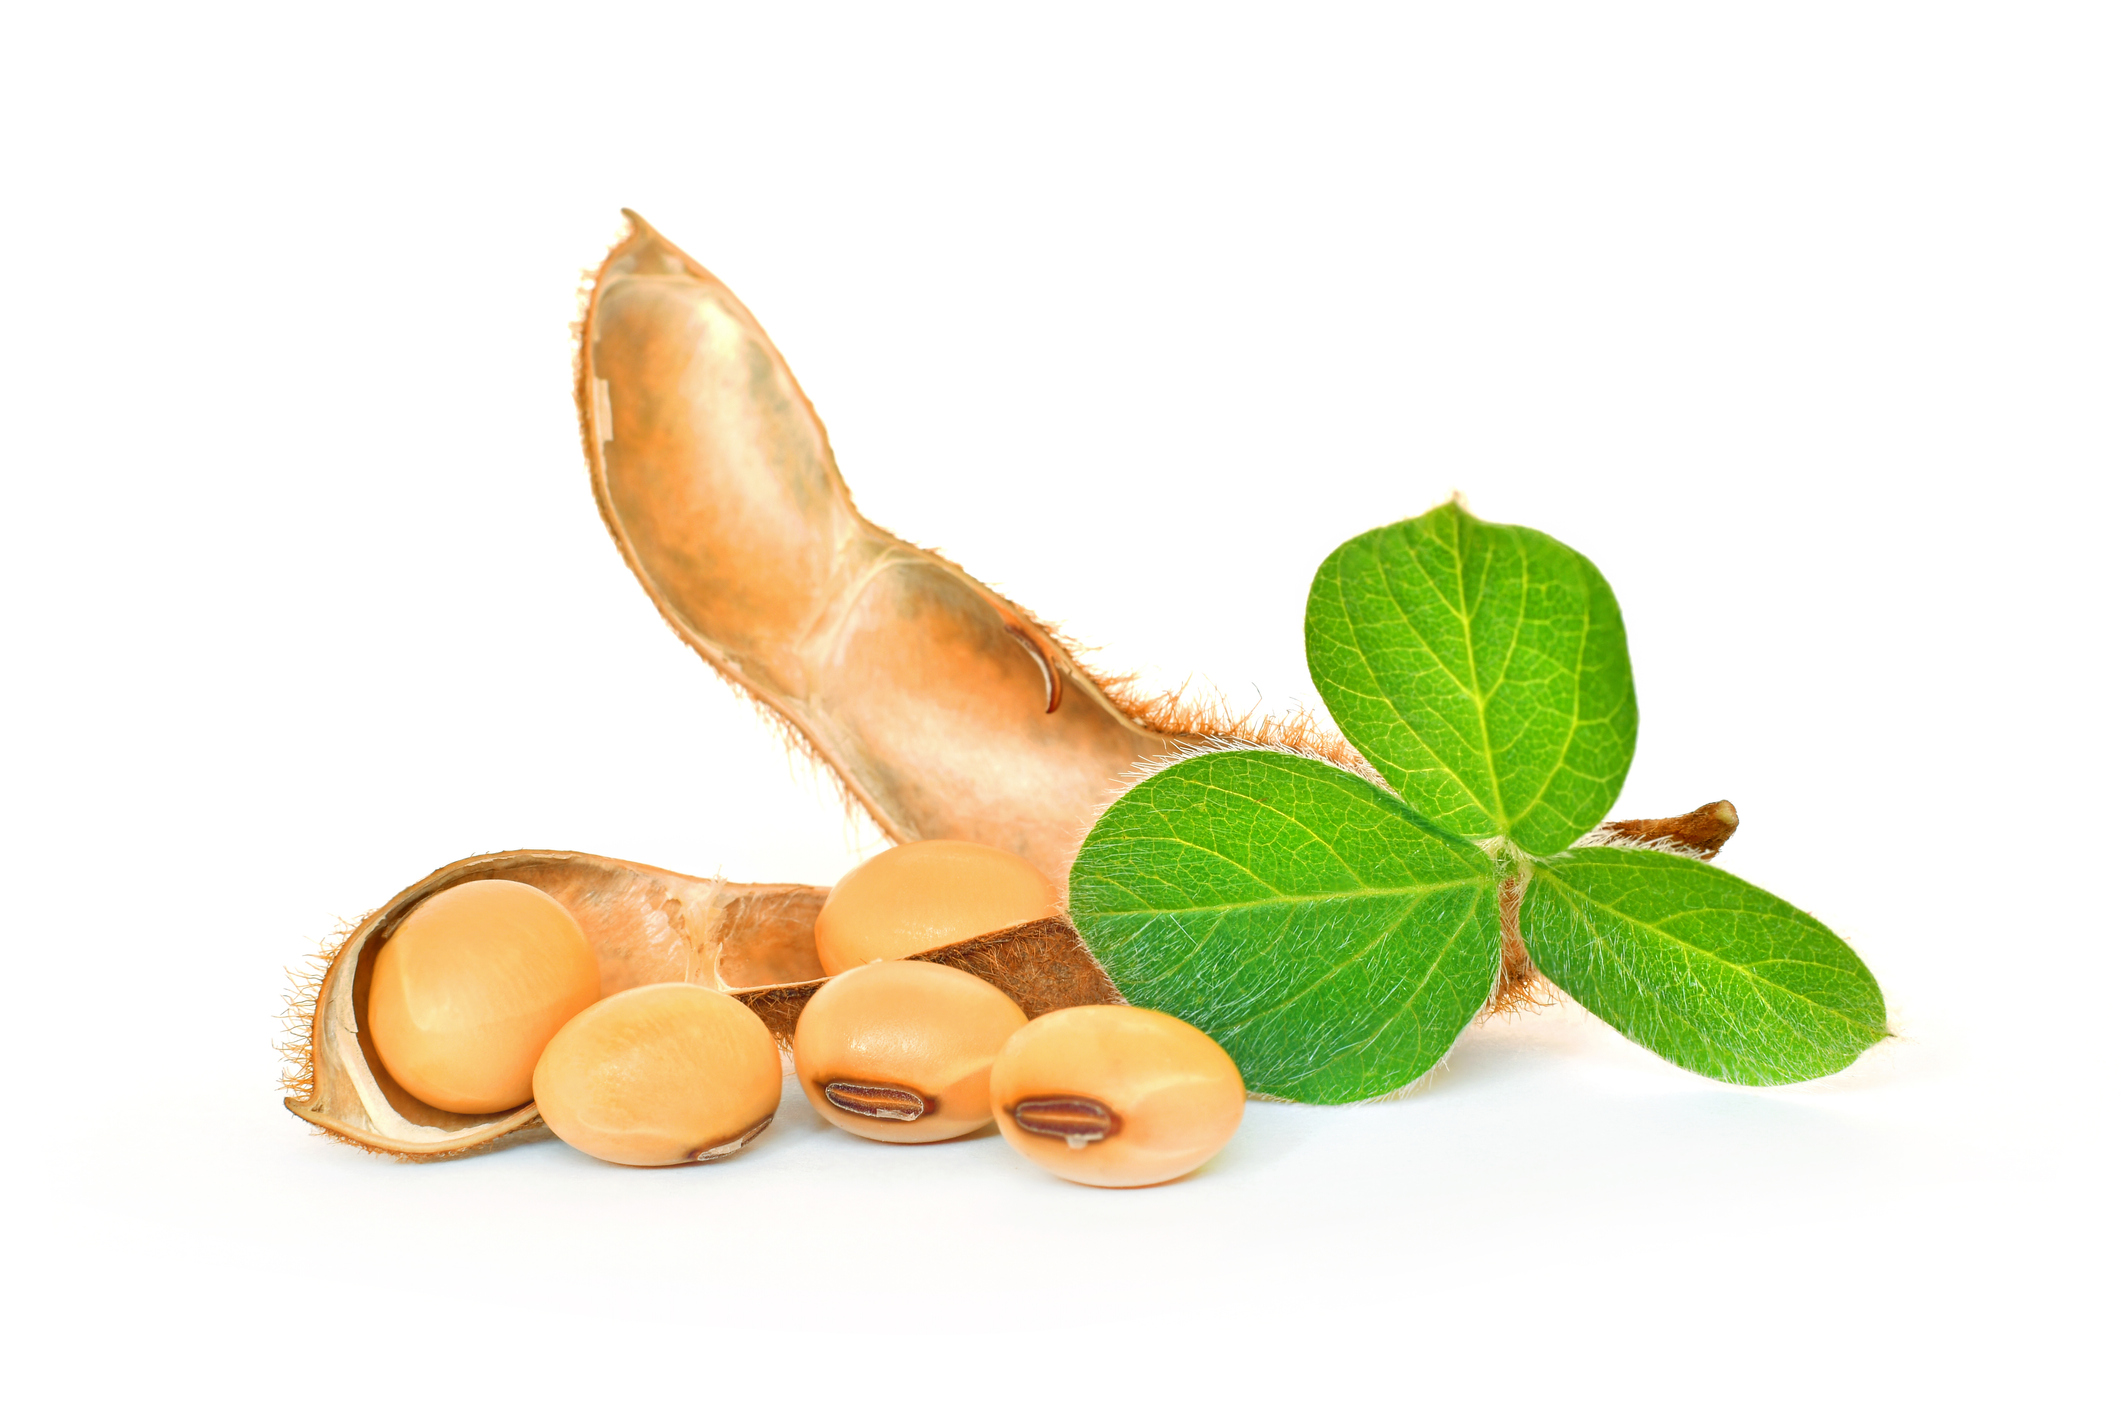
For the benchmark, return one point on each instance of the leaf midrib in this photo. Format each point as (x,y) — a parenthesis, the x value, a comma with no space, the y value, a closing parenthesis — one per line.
(1411,891)
(1576,718)
(1383,804)
(1464,611)
(1278,896)
(1481,695)
(1392,703)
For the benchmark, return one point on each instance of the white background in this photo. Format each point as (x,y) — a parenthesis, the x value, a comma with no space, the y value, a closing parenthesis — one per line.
(1799,320)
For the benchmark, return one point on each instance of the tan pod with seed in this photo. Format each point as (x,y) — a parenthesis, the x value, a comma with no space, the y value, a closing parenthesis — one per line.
(664,1074)
(899,1051)
(1116,1096)
(476,981)
(756,942)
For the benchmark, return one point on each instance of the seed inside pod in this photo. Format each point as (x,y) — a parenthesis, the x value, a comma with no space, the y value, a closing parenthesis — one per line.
(470,988)
(645,925)
(899,1051)
(1118,1097)
(926,895)
(666,1074)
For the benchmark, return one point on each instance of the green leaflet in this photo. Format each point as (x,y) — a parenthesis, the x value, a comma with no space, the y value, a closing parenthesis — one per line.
(1699,966)
(1482,669)
(1331,939)
(1335,937)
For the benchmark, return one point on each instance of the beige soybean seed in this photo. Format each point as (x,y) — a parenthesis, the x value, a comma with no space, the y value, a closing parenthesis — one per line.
(469,989)
(899,1051)
(1118,1097)
(671,1073)
(925,895)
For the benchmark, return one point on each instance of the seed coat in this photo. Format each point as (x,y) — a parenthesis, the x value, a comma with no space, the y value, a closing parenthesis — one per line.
(899,1051)
(670,1073)
(471,987)
(1115,1096)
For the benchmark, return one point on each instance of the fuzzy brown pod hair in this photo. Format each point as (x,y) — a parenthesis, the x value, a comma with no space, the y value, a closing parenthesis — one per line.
(752,941)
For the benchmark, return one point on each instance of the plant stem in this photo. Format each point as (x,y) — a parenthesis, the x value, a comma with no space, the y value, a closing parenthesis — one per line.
(1698,833)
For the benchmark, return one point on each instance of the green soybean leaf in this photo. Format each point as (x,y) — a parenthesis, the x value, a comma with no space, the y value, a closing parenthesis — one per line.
(1331,939)
(1700,966)
(1482,669)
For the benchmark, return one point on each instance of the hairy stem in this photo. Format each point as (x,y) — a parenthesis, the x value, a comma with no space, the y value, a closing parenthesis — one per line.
(1699,834)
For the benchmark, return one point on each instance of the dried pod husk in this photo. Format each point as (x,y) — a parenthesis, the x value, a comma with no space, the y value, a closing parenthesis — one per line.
(646,925)
(945,711)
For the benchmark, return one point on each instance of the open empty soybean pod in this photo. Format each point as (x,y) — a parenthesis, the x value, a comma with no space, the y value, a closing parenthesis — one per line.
(946,711)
